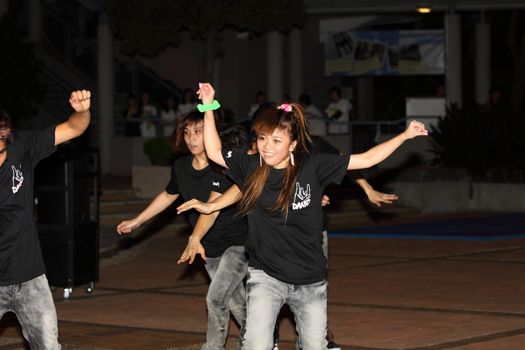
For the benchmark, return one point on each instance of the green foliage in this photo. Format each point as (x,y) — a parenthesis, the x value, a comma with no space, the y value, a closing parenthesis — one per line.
(19,85)
(158,151)
(148,27)
(489,144)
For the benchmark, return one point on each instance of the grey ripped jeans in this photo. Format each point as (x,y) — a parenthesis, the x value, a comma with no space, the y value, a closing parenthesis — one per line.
(265,297)
(226,293)
(33,305)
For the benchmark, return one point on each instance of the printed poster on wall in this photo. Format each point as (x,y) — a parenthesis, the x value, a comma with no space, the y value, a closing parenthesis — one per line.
(410,52)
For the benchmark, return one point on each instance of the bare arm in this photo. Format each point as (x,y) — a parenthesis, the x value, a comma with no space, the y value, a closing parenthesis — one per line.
(380,152)
(212,142)
(374,196)
(78,121)
(159,204)
(231,196)
(204,223)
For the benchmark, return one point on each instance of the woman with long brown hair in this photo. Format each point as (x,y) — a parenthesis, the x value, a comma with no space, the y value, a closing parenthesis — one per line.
(281,195)
(226,264)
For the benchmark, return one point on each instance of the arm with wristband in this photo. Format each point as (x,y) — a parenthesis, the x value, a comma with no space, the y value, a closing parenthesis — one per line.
(212,142)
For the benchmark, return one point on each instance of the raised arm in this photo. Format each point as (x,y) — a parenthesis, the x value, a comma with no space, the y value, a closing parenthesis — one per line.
(212,142)
(231,196)
(380,152)
(78,121)
(159,204)
(203,225)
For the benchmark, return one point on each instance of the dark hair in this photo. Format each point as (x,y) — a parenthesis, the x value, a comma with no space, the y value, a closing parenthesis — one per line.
(178,145)
(175,104)
(184,95)
(235,137)
(266,122)
(5,122)
(305,99)
(335,89)
(260,93)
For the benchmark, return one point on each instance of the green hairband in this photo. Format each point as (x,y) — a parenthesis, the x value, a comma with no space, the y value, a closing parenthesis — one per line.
(208,107)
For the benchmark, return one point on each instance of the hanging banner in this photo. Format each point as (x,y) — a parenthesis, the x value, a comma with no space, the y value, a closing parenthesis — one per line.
(410,52)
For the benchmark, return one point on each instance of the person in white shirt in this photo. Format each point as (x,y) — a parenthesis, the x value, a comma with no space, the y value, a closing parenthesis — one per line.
(188,103)
(168,117)
(149,113)
(314,116)
(339,110)
(260,99)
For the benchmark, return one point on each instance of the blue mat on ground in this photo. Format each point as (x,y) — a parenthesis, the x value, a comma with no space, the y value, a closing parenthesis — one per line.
(488,227)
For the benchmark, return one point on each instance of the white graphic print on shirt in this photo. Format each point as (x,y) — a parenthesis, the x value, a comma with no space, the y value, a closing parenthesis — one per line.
(18,179)
(302,197)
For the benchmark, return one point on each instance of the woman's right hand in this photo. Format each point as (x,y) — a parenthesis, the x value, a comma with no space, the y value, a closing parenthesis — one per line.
(201,207)
(193,248)
(206,93)
(127,226)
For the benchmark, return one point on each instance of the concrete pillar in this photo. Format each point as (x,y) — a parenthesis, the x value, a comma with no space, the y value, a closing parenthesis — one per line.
(454,71)
(4,7)
(482,63)
(365,98)
(105,92)
(274,63)
(296,64)
(34,21)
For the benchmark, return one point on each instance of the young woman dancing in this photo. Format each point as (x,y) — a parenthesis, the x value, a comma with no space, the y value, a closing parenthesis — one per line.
(282,188)
(193,177)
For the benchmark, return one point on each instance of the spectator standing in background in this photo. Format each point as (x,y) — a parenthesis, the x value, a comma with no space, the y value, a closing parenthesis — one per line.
(339,110)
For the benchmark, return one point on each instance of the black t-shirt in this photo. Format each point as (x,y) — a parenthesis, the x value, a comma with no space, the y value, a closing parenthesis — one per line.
(20,253)
(290,249)
(320,145)
(190,183)
(230,228)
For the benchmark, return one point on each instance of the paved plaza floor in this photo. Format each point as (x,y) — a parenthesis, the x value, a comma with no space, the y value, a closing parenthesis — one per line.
(384,293)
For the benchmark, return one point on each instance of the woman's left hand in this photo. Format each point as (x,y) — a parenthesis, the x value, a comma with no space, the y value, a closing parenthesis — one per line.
(206,93)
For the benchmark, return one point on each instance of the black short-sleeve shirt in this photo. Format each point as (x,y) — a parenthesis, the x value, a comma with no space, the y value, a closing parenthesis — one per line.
(190,183)
(20,253)
(288,249)
(230,228)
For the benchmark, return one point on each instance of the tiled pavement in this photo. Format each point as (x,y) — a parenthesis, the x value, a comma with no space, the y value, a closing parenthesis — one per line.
(383,294)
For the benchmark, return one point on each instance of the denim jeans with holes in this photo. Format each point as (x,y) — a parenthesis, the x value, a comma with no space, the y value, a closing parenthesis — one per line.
(226,293)
(32,303)
(265,297)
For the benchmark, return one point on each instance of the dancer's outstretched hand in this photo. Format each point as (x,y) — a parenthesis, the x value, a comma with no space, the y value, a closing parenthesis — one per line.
(414,129)
(80,100)
(193,248)
(127,226)
(201,207)
(206,93)
(379,198)
(325,200)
